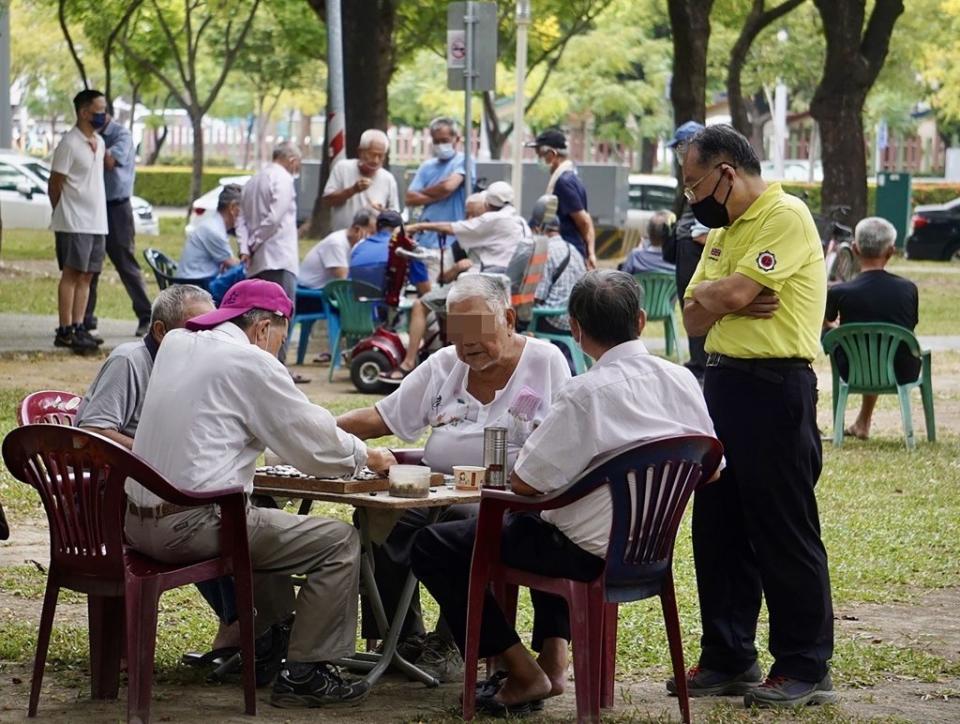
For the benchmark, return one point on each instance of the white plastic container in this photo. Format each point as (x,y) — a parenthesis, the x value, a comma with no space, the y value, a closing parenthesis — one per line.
(409,481)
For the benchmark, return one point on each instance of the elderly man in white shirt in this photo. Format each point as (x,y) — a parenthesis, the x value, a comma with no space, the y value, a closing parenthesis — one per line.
(242,400)
(626,398)
(267,228)
(362,182)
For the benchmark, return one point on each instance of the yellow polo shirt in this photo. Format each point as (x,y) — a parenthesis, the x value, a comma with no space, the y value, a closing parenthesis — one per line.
(775,243)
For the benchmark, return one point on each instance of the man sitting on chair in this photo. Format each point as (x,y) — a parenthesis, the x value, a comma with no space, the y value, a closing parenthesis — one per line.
(875,295)
(628,397)
(648,257)
(370,257)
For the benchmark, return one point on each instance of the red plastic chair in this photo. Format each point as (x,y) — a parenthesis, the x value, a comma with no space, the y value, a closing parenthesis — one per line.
(80,478)
(53,407)
(649,486)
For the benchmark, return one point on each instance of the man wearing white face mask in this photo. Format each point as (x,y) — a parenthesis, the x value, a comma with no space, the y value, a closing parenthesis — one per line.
(439,186)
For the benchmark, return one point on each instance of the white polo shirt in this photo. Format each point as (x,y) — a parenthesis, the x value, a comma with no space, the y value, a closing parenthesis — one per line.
(382,192)
(331,252)
(491,238)
(82,208)
(435,395)
(215,402)
(627,398)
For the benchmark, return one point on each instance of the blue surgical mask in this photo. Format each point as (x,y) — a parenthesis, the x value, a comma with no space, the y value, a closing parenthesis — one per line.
(99,120)
(444,151)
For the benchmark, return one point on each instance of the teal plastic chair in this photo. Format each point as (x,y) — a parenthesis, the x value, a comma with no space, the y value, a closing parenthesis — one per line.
(660,303)
(870,350)
(306,320)
(356,304)
(581,362)
(165,270)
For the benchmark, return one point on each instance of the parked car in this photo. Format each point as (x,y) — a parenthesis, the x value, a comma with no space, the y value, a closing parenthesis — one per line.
(208,201)
(647,193)
(23,196)
(935,232)
(794,169)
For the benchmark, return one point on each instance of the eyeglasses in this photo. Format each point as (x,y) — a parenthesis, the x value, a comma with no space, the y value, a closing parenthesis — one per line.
(688,191)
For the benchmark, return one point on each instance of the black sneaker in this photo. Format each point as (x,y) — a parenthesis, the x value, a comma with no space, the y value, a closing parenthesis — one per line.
(706,682)
(321,687)
(271,650)
(83,333)
(142,328)
(67,337)
(782,691)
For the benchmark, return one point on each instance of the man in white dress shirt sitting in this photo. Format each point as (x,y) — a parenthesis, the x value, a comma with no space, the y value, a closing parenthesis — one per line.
(241,400)
(267,228)
(628,397)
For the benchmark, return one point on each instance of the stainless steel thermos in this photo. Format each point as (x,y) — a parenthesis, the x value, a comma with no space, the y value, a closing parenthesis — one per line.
(495,456)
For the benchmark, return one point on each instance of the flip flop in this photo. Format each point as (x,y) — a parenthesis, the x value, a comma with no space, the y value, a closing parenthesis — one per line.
(490,686)
(322,359)
(216,657)
(489,705)
(390,379)
(299,379)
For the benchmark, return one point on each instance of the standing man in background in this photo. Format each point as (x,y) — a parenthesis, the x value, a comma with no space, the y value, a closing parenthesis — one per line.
(79,219)
(576,224)
(267,229)
(362,182)
(118,174)
(439,187)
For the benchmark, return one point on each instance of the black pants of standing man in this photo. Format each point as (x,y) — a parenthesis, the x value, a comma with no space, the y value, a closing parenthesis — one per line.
(120,249)
(756,531)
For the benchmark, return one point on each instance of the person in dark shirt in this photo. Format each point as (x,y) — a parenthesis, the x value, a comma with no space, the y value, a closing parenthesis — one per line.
(576,224)
(875,295)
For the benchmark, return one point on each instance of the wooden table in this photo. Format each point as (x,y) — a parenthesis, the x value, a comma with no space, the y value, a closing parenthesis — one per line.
(440,497)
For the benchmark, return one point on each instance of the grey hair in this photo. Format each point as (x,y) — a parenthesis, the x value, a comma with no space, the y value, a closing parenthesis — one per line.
(250,318)
(874,236)
(493,289)
(444,121)
(364,217)
(607,305)
(287,149)
(371,136)
(229,194)
(659,227)
(169,305)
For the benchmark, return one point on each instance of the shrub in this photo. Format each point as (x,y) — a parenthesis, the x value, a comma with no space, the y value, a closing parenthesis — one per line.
(170,185)
(922,193)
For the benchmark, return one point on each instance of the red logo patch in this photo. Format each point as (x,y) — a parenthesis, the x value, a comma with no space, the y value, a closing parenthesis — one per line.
(715,252)
(766,261)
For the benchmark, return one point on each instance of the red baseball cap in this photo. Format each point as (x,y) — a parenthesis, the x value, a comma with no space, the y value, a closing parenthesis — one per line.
(241,298)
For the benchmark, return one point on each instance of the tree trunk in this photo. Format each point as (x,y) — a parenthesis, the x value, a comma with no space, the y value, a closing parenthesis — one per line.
(158,140)
(367,24)
(854,59)
(496,135)
(690,24)
(196,177)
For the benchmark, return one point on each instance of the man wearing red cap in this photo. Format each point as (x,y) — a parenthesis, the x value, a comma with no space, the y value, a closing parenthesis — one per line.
(242,400)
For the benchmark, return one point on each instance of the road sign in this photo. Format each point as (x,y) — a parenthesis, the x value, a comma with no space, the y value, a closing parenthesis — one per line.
(482,45)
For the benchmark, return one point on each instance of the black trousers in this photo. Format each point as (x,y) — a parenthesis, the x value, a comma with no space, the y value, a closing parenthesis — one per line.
(688,256)
(287,280)
(391,563)
(441,560)
(756,531)
(122,253)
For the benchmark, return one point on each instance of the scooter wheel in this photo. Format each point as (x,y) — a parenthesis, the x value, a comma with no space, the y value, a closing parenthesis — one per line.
(365,371)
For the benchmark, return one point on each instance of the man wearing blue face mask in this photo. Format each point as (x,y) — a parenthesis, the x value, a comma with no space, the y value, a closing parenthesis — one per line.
(439,186)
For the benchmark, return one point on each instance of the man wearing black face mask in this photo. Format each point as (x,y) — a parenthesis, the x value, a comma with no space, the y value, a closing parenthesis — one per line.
(758,294)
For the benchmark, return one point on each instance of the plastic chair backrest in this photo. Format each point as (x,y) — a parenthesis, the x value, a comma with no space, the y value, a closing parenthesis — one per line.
(80,477)
(523,300)
(870,349)
(659,293)
(355,302)
(53,407)
(649,487)
(164,268)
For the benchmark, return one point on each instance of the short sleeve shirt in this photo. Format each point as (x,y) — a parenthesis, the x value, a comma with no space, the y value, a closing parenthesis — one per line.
(491,238)
(115,397)
(435,396)
(450,208)
(775,243)
(333,251)
(119,181)
(382,191)
(206,248)
(368,262)
(571,198)
(82,208)
(555,294)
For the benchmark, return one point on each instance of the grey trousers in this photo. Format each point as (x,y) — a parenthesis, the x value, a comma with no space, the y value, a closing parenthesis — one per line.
(326,552)
(287,280)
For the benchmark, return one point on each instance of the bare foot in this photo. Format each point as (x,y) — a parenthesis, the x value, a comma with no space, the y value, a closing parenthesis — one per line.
(861,433)
(515,691)
(227,636)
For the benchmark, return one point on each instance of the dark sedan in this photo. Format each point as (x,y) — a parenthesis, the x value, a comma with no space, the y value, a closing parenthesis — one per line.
(936,232)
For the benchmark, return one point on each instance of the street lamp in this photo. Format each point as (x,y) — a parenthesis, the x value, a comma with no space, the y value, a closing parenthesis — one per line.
(523,22)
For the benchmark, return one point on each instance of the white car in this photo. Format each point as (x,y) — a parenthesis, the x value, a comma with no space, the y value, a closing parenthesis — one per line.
(208,202)
(24,203)
(647,193)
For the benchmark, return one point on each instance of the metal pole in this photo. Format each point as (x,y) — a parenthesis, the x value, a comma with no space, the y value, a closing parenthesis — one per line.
(519,100)
(6,121)
(336,134)
(469,22)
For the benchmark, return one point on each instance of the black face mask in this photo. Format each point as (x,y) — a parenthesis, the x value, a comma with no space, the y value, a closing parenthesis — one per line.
(710,212)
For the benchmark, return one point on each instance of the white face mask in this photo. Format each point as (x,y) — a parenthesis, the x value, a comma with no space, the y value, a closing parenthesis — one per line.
(543,163)
(444,151)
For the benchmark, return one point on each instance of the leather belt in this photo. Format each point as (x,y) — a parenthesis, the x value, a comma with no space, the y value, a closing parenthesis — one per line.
(159,511)
(764,368)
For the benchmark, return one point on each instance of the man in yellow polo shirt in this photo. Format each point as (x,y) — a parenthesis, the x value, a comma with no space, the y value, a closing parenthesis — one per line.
(758,294)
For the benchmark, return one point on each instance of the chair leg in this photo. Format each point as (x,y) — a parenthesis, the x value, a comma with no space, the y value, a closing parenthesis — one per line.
(926,395)
(668,601)
(43,642)
(106,616)
(608,664)
(478,586)
(905,415)
(243,586)
(506,596)
(586,675)
(305,328)
(142,602)
(839,411)
(334,358)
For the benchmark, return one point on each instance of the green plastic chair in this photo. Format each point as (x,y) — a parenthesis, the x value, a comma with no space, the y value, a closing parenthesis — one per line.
(870,350)
(581,361)
(660,302)
(356,304)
